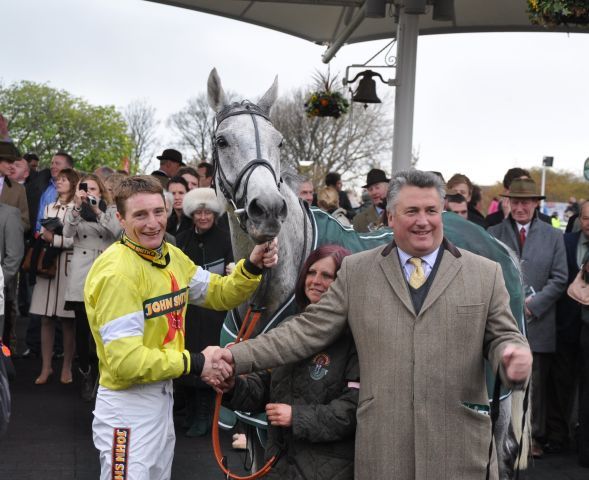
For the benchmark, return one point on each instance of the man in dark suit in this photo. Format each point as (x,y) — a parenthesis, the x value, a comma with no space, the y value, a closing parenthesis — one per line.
(564,372)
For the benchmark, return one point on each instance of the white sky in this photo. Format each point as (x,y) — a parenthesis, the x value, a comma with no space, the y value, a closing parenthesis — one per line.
(484,102)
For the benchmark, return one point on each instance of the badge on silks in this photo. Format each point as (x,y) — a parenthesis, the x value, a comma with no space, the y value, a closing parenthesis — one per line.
(319,369)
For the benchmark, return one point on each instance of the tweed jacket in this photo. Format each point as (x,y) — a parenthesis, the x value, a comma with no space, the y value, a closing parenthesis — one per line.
(544,268)
(15,195)
(365,218)
(11,241)
(419,372)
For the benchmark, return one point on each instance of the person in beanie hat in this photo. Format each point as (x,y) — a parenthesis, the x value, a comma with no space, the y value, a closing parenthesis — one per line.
(209,246)
(377,185)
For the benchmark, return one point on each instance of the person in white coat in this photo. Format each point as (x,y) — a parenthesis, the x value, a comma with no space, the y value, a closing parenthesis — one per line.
(92,223)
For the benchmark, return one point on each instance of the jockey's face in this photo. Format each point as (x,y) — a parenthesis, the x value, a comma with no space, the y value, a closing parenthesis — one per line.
(416,220)
(319,277)
(145,219)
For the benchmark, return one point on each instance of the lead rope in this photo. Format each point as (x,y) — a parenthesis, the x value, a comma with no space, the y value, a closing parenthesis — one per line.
(252,316)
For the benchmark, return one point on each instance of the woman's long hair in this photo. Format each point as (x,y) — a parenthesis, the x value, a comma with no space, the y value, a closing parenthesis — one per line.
(72,176)
(336,252)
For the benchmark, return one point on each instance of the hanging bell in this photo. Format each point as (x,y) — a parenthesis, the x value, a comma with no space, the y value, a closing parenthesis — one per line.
(366,91)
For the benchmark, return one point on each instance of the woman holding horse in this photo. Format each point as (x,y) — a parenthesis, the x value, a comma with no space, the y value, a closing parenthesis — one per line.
(310,405)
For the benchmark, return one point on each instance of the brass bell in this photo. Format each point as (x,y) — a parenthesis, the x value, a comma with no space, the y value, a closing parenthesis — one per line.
(366,91)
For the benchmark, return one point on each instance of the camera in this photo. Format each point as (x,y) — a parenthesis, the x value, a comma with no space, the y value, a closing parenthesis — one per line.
(92,200)
(84,186)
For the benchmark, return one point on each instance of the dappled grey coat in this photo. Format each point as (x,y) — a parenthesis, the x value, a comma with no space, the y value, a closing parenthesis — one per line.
(320,443)
(543,263)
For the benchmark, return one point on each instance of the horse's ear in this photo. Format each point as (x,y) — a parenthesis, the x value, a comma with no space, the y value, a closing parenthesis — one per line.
(269,97)
(216,95)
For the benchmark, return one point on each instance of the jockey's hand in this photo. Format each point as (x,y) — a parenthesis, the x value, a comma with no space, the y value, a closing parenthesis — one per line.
(265,255)
(279,414)
(517,362)
(215,372)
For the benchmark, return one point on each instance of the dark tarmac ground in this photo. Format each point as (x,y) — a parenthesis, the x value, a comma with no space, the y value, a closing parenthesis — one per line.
(50,437)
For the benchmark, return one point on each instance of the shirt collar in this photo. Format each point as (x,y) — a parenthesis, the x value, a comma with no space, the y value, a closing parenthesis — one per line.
(430,258)
(526,226)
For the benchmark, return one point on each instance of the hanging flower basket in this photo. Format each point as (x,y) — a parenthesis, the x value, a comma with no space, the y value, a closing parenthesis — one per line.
(552,13)
(326,100)
(326,104)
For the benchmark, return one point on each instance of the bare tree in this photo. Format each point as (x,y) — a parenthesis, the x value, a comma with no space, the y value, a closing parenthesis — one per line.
(193,126)
(350,145)
(140,117)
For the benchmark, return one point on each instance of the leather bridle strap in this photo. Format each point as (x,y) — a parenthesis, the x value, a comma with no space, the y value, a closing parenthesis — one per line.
(228,189)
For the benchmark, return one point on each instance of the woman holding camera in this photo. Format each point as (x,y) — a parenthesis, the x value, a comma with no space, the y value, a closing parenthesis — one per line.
(48,294)
(91,222)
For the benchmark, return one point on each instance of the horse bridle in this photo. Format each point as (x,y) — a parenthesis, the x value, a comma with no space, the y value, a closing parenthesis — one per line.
(229,189)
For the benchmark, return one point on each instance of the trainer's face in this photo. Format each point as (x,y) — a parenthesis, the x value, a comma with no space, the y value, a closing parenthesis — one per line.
(145,219)
(416,220)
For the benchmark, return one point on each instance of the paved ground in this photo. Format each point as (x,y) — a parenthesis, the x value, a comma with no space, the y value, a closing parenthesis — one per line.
(50,438)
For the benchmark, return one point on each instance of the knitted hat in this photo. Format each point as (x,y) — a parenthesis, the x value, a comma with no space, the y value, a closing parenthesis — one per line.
(201,198)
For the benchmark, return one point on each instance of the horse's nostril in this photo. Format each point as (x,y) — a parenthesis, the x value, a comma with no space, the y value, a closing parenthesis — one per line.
(255,209)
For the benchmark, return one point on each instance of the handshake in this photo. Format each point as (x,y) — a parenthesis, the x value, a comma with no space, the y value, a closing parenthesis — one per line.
(219,369)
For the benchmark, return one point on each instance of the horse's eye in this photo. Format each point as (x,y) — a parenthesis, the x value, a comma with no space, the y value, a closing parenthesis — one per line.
(221,142)
(281,143)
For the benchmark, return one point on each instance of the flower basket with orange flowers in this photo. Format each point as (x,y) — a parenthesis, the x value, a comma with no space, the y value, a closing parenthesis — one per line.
(326,101)
(559,12)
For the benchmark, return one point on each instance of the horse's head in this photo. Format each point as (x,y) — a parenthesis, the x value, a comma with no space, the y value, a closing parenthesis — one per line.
(246,155)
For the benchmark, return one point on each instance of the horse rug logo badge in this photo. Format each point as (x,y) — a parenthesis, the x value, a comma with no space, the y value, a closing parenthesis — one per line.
(318,368)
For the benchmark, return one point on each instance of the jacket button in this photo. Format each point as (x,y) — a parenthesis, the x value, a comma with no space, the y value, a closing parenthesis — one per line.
(84,252)
(99,236)
(84,236)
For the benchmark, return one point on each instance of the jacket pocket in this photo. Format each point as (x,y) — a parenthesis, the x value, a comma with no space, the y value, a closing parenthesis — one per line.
(473,309)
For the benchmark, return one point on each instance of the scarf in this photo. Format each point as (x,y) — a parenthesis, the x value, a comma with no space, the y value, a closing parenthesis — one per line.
(160,257)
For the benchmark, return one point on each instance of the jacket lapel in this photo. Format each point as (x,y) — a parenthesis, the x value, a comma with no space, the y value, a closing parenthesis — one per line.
(448,269)
(389,262)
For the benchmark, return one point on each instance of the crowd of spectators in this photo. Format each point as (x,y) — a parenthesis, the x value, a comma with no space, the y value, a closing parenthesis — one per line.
(55,221)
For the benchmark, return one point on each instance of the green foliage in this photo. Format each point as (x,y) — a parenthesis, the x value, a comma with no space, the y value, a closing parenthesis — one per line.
(44,120)
(557,12)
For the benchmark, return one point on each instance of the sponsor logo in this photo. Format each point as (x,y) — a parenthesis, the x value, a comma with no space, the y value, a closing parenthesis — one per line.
(169,303)
(318,368)
(120,453)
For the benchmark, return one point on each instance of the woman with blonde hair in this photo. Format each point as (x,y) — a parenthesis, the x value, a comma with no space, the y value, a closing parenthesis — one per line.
(92,224)
(48,298)
(328,201)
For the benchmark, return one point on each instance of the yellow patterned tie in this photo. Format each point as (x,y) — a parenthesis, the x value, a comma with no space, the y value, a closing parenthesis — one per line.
(417,278)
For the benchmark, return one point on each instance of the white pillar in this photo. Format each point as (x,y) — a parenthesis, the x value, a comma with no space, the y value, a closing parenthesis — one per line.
(407,33)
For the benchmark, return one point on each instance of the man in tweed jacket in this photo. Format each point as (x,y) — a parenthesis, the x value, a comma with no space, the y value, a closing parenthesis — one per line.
(422,332)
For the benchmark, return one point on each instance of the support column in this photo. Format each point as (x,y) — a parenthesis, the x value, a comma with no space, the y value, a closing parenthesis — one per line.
(407,33)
